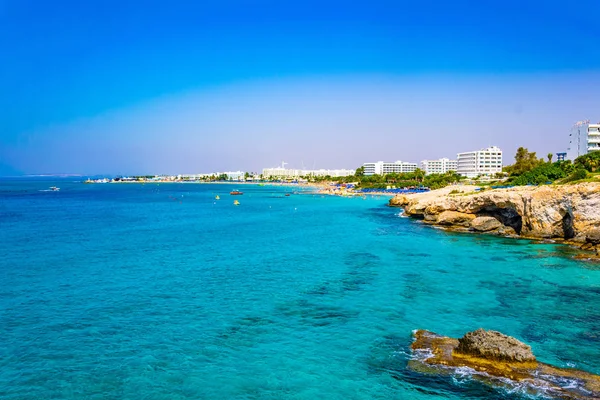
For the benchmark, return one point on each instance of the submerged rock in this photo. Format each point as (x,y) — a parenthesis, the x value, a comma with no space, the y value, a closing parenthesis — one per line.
(500,361)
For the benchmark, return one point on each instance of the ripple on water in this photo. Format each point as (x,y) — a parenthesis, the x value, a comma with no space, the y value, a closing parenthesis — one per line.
(128,294)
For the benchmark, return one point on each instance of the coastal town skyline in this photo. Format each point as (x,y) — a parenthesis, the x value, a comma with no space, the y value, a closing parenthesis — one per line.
(473,163)
(128,89)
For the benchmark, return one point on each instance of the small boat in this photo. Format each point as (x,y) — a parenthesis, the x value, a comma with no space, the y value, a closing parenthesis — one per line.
(217,197)
(287,194)
(236,203)
(235,192)
(54,188)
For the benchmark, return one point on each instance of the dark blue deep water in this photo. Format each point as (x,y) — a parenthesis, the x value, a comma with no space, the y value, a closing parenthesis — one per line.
(130,291)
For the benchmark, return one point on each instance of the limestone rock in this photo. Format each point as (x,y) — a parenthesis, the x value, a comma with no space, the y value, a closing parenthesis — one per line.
(399,201)
(566,212)
(454,218)
(440,355)
(507,230)
(593,236)
(430,218)
(485,224)
(494,345)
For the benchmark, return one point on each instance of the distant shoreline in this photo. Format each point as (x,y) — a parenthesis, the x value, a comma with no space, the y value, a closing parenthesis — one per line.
(321,187)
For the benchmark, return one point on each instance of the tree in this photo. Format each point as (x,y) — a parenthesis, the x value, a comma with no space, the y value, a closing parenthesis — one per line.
(589,162)
(546,172)
(391,177)
(419,174)
(549,157)
(524,161)
(360,171)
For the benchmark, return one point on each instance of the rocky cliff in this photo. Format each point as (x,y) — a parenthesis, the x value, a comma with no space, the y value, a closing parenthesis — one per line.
(566,212)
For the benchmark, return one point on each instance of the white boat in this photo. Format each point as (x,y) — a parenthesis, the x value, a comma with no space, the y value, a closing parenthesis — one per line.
(54,188)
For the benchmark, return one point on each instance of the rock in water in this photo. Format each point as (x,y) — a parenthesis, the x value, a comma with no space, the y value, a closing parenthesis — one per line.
(494,345)
(498,360)
(563,212)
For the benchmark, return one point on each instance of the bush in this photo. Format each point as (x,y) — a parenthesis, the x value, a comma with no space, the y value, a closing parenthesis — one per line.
(544,173)
(576,175)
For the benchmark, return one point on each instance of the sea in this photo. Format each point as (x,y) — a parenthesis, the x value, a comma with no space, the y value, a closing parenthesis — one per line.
(161,291)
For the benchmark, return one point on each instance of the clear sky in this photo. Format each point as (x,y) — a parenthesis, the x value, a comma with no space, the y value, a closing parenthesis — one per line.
(123,87)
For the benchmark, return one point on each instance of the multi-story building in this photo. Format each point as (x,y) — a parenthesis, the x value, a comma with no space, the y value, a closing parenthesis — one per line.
(382,168)
(440,166)
(281,172)
(327,172)
(231,175)
(480,162)
(584,137)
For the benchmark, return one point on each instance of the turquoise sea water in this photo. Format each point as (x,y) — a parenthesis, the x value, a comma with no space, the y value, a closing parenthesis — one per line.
(128,291)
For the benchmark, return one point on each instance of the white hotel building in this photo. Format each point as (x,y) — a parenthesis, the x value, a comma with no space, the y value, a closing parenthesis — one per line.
(281,172)
(382,168)
(584,137)
(481,162)
(440,166)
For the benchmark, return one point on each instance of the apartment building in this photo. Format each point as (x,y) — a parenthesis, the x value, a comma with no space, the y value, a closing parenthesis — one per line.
(281,172)
(480,162)
(382,167)
(440,166)
(583,138)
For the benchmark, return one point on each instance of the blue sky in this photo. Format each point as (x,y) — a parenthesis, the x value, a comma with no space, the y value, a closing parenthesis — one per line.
(121,87)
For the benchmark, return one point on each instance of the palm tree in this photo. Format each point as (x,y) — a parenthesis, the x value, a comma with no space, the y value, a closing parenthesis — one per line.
(549,157)
(419,175)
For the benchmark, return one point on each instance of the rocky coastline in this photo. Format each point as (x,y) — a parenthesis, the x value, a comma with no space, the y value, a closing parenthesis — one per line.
(563,213)
(497,360)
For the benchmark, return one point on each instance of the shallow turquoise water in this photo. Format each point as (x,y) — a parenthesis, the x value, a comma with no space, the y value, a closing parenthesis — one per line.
(161,292)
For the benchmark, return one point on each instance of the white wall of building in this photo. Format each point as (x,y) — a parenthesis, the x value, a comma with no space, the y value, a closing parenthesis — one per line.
(480,162)
(583,138)
(440,166)
(295,173)
(281,172)
(382,168)
(328,172)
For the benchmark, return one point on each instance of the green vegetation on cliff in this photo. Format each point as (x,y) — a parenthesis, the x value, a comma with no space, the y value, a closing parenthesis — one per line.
(543,173)
(530,170)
